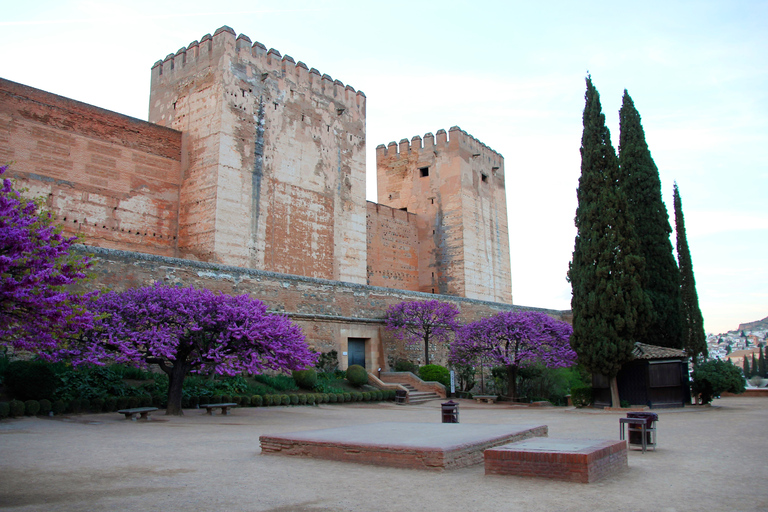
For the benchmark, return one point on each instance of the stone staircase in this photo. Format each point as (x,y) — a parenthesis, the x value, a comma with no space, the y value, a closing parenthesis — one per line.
(417,397)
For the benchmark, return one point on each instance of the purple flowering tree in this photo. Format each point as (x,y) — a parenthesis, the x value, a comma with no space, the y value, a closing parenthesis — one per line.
(514,339)
(187,330)
(423,322)
(37,311)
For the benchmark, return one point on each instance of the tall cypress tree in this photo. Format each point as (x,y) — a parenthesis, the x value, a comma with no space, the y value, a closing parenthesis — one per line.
(694,338)
(608,302)
(745,367)
(761,363)
(755,368)
(642,186)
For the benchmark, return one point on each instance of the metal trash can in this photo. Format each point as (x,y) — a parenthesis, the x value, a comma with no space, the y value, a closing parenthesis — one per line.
(450,412)
(635,437)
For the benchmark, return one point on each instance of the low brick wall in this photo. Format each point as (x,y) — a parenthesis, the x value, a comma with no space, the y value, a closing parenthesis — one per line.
(413,380)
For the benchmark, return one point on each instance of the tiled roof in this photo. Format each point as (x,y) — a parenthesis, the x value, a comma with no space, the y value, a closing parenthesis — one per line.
(644,351)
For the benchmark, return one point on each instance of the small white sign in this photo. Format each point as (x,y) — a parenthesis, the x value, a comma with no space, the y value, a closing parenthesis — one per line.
(343,353)
(453,382)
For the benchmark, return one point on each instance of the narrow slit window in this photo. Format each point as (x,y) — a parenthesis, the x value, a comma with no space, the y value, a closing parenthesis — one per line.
(484,177)
(423,172)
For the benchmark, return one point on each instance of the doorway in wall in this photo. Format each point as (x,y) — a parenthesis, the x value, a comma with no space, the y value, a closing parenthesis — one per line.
(356,351)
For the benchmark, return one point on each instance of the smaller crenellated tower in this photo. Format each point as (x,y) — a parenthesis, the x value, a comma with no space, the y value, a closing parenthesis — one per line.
(455,185)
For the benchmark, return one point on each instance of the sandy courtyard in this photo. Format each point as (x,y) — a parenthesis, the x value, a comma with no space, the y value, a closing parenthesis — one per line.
(710,459)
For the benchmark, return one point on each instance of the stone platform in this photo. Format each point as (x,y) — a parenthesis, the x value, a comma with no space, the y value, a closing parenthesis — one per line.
(573,460)
(433,446)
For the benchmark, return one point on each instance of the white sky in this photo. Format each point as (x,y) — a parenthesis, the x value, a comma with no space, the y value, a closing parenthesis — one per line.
(511,74)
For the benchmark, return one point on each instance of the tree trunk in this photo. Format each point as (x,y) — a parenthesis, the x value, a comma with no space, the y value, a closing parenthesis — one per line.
(615,401)
(426,349)
(512,381)
(175,385)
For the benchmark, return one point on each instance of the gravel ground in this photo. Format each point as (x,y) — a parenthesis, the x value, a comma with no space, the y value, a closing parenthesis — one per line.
(708,458)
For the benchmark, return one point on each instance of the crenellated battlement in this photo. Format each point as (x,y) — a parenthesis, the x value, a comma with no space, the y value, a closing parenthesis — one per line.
(207,52)
(455,139)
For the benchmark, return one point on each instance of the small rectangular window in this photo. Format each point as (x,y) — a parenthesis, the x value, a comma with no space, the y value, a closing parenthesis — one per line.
(423,172)
(484,177)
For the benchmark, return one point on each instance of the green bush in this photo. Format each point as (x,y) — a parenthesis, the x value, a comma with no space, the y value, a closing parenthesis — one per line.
(30,380)
(194,401)
(328,362)
(244,401)
(325,398)
(133,402)
(31,407)
(305,379)
(332,397)
(302,399)
(403,365)
(347,397)
(311,399)
(357,376)
(285,400)
(714,377)
(58,407)
(5,410)
(436,373)
(122,403)
(97,404)
(277,382)
(145,400)
(225,399)
(366,396)
(45,407)
(74,406)
(257,400)
(85,405)
(16,408)
(582,396)
(157,401)
(294,399)
(110,404)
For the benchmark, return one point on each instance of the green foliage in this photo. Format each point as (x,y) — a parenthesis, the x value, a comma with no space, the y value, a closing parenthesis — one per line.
(121,403)
(257,400)
(347,397)
(624,404)
(130,372)
(245,401)
(714,377)
(4,362)
(310,399)
(5,410)
(58,407)
(285,400)
(326,397)
(277,382)
(92,382)
(225,399)
(133,402)
(747,369)
(30,380)
(465,377)
(609,306)
(332,398)
(294,399)
(660,277)
(302,399)
(74,406)
(110,404)
(328,362)
(357,376)
(366,396)
(305,379)
(145,400)
(694,338)
(45,407)
(542,383)
(97,404)
(16,408)
(437,373)
(31,407)
(582,396)
(403,365)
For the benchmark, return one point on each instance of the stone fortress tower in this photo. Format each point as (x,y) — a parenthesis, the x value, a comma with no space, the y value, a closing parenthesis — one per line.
(275,170)
(455,186)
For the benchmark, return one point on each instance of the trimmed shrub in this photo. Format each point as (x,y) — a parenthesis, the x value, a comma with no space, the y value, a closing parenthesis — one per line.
(333,397)
(379,395)
(357,376)
(437,373)
(31,407)
(97,404)
(194,401)
(225,399)
(110,404)
(133,402)
(713,377)
(285,400)
(145,400)
(294,399)
(310,399)
(302,399)
(245,401)
(5,410)
(305,379)
(257,400)
(157,401)
(74,406)
(402,365)
(582,396)
(16,408)
(58,407)
(347,397)
(45,407)
(30,380)
(366,396)
(326,398)
(122,403)
(184,402)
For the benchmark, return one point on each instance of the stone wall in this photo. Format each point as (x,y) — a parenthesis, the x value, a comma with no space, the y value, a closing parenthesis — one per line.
(112,178)
(329,312)
(393,248)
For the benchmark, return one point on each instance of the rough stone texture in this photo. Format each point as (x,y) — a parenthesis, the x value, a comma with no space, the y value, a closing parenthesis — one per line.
(430,446)
(393,248)
(276,172)
(572,460)
(456,187)
(330,312)
(112,178)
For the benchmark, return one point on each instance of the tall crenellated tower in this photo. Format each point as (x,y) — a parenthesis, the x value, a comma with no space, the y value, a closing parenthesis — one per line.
(455,186)
(273,158)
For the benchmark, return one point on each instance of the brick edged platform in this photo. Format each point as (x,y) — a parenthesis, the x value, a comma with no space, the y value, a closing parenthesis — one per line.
(573,460)
(432,446)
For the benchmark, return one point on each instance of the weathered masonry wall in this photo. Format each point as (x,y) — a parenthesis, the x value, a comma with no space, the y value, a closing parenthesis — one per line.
(113,178)
(276,171)
(456,186)
(330,312)
(393,248)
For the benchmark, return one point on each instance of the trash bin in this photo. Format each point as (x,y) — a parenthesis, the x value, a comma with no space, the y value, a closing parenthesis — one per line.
(450,412)
(650,418)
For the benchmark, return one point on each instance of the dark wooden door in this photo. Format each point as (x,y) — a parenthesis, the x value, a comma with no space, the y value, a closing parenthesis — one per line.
(356,351)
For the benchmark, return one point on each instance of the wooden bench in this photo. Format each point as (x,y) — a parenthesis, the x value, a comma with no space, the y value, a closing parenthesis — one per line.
(138,412)
(489,399)
(209,408)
